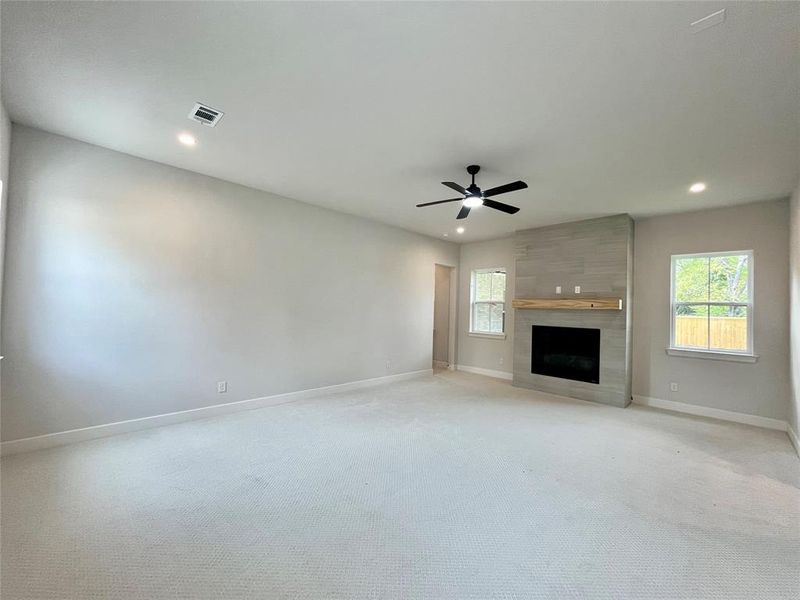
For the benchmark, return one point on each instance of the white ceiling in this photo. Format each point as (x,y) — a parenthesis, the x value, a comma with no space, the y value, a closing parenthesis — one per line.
(366,107)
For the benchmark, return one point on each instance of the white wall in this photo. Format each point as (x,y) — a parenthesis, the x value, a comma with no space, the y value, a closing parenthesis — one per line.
(133,287)
(492,354)
(761,388)
(794,282)
(5,155)
(5,152)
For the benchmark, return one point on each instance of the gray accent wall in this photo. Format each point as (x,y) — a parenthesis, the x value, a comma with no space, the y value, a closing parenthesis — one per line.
(760,388)
(597,256)
(132,287)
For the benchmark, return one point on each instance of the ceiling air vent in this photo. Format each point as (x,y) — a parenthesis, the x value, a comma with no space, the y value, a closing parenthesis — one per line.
(206,115)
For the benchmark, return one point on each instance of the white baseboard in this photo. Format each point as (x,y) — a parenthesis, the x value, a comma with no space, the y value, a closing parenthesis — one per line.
(61,438)
(794,439)
(714,413)
(488,372)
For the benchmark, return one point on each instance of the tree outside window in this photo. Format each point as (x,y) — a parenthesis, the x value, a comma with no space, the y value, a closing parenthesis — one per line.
(712,302)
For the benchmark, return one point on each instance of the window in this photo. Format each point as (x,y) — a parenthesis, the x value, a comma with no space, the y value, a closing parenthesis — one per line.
(712,302)
(488,302)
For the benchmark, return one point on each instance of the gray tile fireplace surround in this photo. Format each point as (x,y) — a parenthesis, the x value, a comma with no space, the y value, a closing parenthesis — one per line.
(596,255)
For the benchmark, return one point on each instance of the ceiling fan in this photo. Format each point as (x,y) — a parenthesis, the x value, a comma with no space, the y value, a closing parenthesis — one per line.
(474,197)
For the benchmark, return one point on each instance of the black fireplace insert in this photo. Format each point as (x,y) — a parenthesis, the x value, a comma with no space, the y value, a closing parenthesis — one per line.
(566,352)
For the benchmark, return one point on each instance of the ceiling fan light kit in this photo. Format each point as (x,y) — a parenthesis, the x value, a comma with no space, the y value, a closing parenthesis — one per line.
(473,197)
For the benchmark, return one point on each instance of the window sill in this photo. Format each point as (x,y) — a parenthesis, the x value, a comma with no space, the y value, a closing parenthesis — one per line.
(488,336)
(713,355)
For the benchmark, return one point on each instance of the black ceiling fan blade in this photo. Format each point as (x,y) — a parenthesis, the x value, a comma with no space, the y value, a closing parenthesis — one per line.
(437,202)
(456,187)
(506,208)
(504,189)
(462,214)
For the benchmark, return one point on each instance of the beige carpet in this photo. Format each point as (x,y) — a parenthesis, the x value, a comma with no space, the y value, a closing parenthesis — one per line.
(452,486)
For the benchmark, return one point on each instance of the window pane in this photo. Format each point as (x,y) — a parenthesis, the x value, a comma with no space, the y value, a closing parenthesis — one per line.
(499,287)
(729,328)
(483,287)
(482,318)
(691,280)
(729,278)
(691,326)
(497,318)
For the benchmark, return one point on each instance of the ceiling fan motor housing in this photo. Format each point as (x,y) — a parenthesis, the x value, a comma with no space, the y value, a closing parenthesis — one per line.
(473,189)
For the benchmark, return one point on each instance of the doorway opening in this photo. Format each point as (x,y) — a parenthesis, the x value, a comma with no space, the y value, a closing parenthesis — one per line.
(444,317)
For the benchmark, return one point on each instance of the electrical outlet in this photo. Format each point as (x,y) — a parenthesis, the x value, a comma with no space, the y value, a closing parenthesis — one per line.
(673,387)
(577,289)
(501,360)
(388,365)
(222,387)
(558,289)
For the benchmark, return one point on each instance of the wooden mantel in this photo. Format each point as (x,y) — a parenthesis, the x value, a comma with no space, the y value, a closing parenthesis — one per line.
(568,303)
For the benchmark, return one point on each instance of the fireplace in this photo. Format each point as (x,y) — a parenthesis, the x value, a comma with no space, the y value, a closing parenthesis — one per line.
(566,352)
(566,348)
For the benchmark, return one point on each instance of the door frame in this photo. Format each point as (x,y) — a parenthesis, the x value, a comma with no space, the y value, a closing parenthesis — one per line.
(452,317)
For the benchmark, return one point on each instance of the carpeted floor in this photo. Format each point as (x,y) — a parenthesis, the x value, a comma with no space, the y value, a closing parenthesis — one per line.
(451,486)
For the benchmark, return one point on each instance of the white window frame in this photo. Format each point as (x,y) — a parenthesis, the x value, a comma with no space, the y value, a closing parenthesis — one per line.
(472,303)
(716,354)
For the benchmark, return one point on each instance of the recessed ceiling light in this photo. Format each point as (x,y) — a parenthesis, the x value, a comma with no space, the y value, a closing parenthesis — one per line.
(460,230)
(698,187)
(444,234)
(187,139)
